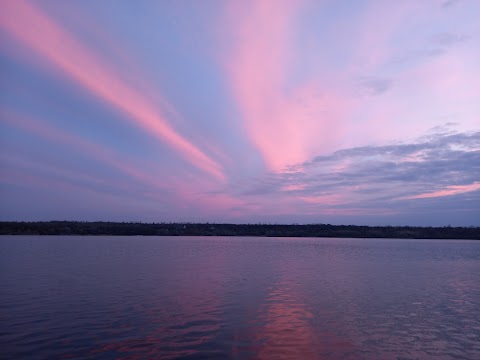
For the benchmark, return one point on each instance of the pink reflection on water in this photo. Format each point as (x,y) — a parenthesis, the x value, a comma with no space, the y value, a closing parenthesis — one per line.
(286,333)
(288,328)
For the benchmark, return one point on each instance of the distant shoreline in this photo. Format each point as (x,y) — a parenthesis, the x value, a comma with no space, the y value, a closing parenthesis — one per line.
(262,230)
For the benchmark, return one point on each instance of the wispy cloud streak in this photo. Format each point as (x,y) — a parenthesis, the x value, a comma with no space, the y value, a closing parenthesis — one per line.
(282,122)
(65,52)
(70,141)
(448,191)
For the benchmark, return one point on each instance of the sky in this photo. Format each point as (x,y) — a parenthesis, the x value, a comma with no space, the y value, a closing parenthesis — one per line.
(265,111)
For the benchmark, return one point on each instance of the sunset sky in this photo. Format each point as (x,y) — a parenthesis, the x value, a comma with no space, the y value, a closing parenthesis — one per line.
(265,111)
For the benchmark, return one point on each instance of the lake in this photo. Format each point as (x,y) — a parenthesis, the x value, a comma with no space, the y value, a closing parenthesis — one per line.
(111,297)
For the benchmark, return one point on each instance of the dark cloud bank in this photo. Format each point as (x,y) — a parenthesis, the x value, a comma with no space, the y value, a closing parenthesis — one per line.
(388,181)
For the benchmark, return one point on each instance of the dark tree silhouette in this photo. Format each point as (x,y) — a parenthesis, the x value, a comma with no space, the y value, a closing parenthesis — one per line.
(273,230)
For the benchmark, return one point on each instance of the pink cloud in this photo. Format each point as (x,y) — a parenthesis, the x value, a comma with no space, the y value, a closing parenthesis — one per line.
(328,199)
(375,27)
(289,124)
(442,86)
(45,37)
(448,191)
(286,125)
(96,151)
(86,199)
(15,177)
(152,189)
(189,191)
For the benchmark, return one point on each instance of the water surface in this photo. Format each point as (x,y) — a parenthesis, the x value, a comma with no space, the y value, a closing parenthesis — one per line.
(238,298)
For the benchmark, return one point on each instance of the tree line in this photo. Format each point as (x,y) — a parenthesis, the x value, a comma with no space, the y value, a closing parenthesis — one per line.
(207,229)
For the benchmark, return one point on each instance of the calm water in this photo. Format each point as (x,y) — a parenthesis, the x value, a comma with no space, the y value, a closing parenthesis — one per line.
(238,298)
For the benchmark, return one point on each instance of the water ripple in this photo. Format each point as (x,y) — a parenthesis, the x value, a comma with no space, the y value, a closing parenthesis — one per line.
(238,298)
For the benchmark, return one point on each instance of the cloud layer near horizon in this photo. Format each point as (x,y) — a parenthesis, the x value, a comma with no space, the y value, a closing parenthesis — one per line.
(275,111)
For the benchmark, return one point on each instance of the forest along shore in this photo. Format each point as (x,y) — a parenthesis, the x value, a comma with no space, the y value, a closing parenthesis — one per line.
(206,229)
